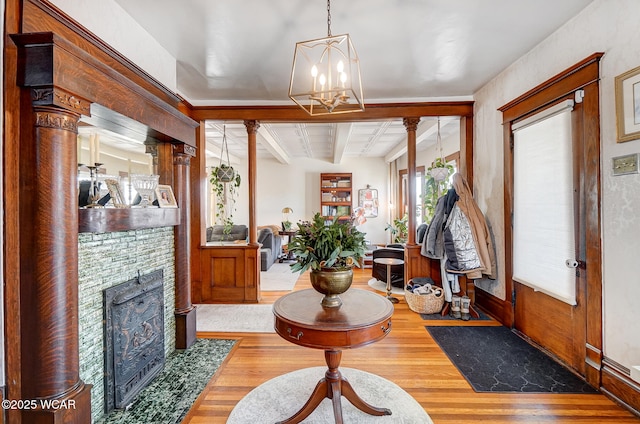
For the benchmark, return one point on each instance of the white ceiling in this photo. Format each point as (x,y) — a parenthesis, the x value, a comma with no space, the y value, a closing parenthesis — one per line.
(240,52)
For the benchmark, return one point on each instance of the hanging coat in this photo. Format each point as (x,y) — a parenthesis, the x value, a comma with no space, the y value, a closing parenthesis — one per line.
(459,245)
(433,242)
(479,229)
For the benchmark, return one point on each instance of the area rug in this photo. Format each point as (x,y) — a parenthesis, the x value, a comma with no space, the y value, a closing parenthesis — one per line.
(172,393)
(381,286)
(283,396)
(235,318)
(278,278)
(495,359)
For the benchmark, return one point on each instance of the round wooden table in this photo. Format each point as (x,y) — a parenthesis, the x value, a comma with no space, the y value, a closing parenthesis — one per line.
(363,318)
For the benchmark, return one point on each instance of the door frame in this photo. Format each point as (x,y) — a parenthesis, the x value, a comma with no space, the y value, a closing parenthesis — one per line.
(582,76)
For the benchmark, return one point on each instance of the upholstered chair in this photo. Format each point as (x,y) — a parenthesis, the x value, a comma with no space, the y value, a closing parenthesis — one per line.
(379,271)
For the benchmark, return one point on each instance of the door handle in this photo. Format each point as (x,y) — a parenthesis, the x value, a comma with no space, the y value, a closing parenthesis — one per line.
(571,263)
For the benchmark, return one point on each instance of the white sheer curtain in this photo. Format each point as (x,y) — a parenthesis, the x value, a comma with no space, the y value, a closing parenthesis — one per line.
(543,219)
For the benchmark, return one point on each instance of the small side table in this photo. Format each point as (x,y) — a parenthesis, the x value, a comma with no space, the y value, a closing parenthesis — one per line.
(363,318)
(290,256)
(389,262)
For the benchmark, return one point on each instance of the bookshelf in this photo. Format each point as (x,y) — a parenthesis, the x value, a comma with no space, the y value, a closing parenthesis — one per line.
(336,195)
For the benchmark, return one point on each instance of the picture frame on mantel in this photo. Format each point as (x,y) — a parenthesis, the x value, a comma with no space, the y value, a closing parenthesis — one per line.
(165,196)
(627,87)
(115,191)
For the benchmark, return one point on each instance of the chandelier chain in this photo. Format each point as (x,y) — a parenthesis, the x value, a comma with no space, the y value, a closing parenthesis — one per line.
(329,18)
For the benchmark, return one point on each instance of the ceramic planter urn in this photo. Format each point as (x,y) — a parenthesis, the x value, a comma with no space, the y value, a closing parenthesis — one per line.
(331,282)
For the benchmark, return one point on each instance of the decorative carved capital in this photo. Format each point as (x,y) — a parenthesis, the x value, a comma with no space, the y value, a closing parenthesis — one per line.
(52,118)
(42,96)
(180,159)
(411,124)
(252,126)
(70,101)
(184,149)
(52,96)
(151,149)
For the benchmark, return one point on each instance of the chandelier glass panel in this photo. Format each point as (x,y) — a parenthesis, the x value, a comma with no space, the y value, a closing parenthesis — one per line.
(325,77)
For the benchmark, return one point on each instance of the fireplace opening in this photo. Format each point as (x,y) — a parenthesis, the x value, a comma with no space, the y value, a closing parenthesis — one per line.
(134,337)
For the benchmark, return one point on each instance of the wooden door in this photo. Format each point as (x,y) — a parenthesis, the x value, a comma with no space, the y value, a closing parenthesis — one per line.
(572,333)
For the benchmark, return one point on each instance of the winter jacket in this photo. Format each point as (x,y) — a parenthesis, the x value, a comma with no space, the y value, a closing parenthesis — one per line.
(433,242)
(461,251)
(478,228)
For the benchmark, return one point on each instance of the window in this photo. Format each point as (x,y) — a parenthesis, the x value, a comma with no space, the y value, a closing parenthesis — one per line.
(404,199)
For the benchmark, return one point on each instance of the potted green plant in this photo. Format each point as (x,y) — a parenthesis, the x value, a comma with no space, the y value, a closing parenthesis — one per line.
(398,229)
(225,182)
(330,249)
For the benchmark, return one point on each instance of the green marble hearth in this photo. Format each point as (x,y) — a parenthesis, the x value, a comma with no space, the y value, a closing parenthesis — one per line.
(172,393)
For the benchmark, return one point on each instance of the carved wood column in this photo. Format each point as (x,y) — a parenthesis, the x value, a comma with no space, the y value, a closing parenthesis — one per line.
(252,130)
(49,265)
(252,290)
(411,124)
(416,265)
(185,312)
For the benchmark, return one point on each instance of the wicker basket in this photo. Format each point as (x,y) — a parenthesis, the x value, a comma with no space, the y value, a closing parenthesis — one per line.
(425,303)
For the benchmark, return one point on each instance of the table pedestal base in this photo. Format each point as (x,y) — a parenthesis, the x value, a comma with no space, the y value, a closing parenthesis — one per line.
(334,386)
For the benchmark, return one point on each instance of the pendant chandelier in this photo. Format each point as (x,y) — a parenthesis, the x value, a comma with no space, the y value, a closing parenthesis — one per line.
(325,77)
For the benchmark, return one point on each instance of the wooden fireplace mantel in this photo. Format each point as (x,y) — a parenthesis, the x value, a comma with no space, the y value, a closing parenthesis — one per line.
(56,75)
(107,220)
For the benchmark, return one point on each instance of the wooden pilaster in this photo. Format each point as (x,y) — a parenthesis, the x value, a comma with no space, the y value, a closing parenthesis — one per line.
(185,312)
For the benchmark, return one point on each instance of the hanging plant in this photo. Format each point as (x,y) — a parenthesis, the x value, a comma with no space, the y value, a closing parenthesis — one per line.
(225,182)
(434,188)
(437,181)
(438,169)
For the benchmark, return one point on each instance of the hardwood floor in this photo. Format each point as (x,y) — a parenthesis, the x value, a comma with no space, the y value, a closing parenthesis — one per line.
(408,357)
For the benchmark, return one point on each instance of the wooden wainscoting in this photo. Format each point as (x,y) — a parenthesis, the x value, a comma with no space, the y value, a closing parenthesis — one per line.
(230,273)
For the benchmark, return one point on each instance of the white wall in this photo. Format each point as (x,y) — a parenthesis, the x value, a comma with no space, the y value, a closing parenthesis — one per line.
(608,26)
(107,20)
(297,185)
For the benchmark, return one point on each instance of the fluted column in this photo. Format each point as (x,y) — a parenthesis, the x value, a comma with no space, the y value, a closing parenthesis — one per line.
(49,269)
(185,312)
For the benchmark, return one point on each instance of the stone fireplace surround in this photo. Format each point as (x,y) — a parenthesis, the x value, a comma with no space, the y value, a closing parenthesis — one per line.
(106,260)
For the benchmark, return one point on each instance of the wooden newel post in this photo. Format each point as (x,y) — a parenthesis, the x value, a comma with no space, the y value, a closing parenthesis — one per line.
(49,270)
(185,312)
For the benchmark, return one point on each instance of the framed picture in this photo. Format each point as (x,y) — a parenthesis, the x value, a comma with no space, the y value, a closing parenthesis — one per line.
(165,196)
(628,105)
(115,192)
(368,201)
